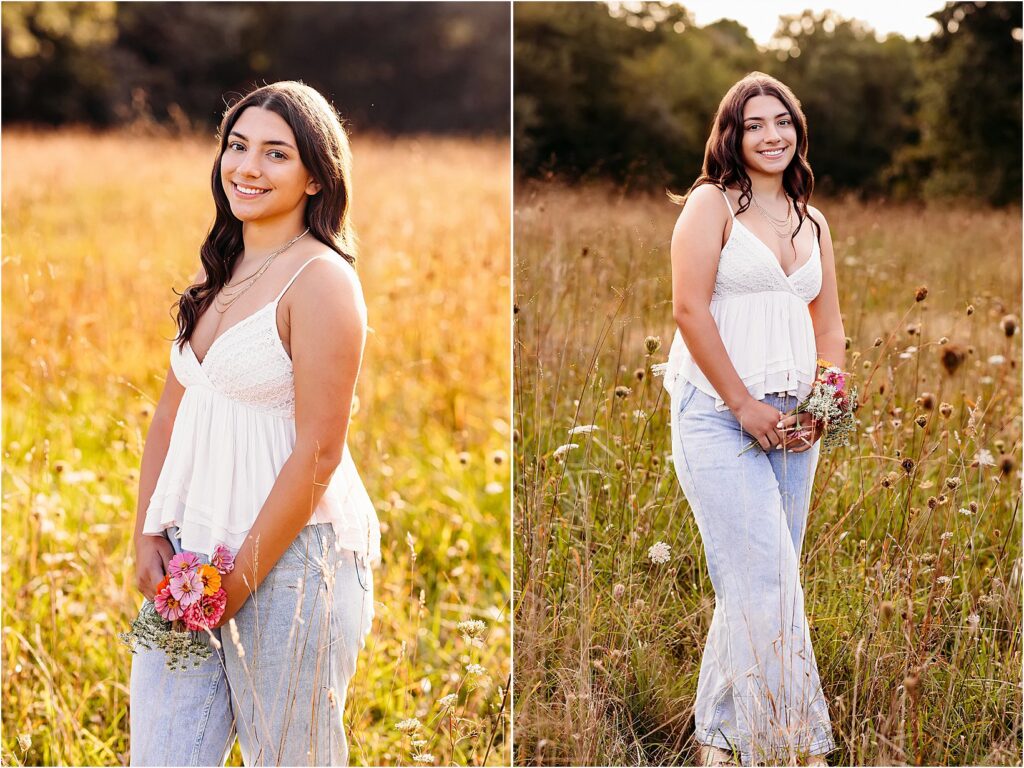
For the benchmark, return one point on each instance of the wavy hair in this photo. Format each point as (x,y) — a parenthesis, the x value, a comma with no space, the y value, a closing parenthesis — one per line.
(723,153)
(324,149)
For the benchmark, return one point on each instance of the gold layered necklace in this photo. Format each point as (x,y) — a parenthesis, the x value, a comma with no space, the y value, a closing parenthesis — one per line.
(783,227)
(229,294)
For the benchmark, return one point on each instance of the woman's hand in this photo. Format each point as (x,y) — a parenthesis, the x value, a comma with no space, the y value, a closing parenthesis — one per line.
(802,431)
(762,422)
(152,554)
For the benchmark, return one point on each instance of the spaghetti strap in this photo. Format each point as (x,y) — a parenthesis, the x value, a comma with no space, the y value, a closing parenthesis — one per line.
(297,273)
(727,203)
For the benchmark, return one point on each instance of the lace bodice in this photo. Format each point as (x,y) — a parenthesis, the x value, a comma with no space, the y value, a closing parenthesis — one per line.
(749,266)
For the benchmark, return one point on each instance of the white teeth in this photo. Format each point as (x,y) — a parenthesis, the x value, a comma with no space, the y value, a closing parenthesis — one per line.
(249,190)
(772,152)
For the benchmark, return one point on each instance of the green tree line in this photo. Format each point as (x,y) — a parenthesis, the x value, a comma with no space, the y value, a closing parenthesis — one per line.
(628,93)
(396,67)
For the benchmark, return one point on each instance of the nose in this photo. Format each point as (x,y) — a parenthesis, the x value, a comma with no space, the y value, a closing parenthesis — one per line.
(250,165)
(772,135)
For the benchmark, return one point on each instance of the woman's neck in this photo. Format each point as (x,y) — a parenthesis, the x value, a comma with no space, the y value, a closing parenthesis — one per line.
(767,187)
(261,238)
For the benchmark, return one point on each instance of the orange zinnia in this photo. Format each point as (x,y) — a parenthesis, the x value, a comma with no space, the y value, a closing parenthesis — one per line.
(210,578)
(165,583)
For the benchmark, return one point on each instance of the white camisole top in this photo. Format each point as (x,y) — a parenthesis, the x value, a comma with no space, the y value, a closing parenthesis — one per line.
(762,316)
(233,432)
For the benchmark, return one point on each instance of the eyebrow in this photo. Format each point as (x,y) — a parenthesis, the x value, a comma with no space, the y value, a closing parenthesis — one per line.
(274,142)
(781,114)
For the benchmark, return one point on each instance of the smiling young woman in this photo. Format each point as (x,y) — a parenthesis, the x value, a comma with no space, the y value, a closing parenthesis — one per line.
(247,451)
(756,305)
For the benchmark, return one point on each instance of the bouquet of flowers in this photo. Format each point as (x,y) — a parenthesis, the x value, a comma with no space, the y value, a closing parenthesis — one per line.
(189,601)
(829,403)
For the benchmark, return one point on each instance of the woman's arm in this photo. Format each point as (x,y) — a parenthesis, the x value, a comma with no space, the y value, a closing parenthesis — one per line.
(829,334)
(153,552)
(327,321)
(696,248)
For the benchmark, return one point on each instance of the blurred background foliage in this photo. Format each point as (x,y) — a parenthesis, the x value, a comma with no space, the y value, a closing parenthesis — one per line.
(627,91)
(103,63)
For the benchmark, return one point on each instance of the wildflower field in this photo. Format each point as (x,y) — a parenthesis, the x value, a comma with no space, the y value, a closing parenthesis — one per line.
(96,231)
(912,559)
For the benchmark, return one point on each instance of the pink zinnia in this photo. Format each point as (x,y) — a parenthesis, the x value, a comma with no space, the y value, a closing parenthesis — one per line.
(167,606)
(184,562)
(222,559)
(187,587)
(204,613)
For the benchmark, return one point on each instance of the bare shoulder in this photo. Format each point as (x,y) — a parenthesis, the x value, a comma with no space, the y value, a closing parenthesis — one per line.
(704,207)
(329,287)
(818,217)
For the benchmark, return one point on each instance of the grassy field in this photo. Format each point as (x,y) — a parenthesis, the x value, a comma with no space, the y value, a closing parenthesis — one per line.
(912,559)
(96,231)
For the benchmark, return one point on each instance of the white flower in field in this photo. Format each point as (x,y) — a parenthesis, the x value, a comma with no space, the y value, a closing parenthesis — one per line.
(944,580)
(25,741)
(658,369)
(946,535)
(493,488)
(418,743)
(639,415)
(985,458)
(659,553)
(408,726)
(449,701)
(423,757)
(973,620)
(965,511)
(475,669)
(563,449)
(472,631)
(476,676)
(583,429)
(618,591)
(996,360)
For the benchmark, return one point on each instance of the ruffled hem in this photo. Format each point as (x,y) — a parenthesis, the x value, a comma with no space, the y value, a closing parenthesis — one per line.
(770,341)
(221,464)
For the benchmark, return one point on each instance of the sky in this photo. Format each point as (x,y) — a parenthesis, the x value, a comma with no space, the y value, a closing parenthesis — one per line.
(907,17)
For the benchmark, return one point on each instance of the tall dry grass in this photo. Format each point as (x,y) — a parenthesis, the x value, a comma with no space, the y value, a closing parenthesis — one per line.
(96,230)
(912,559)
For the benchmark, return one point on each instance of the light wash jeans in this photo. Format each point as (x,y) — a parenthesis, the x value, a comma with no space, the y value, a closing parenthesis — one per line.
(281,688)
(758,689)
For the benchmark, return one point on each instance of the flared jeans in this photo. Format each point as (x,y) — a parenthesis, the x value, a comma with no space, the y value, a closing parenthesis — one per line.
(758,691)
(278,681)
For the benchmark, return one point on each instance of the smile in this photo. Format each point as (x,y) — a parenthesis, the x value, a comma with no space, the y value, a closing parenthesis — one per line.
(772,152)
(249,191)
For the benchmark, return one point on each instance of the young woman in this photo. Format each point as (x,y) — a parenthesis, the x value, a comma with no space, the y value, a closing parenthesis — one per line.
(755,300)
(247,450)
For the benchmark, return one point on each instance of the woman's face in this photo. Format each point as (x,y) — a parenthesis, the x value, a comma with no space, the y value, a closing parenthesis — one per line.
(261,171)
(769,135)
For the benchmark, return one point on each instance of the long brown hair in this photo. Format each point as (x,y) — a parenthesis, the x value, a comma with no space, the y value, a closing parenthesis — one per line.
(723,153)
(324,150)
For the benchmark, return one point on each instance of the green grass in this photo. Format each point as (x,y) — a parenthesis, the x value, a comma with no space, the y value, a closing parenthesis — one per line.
(607,676)
(90,255)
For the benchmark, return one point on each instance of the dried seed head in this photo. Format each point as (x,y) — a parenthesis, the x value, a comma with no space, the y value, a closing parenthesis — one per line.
(921,293)
(912,685)
(970,310)
(622,391)
(908,465)
(890,480)
(618,591)
(878,342)
(952,356)
(946,410)
(619,464)
(638,374)
(1006,463)
(932,502)
(849,342)
(952,483)
(921,421)
(926,401)
(944,340)
(652,344)
(973,506)
(913,329)
(1009,324)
